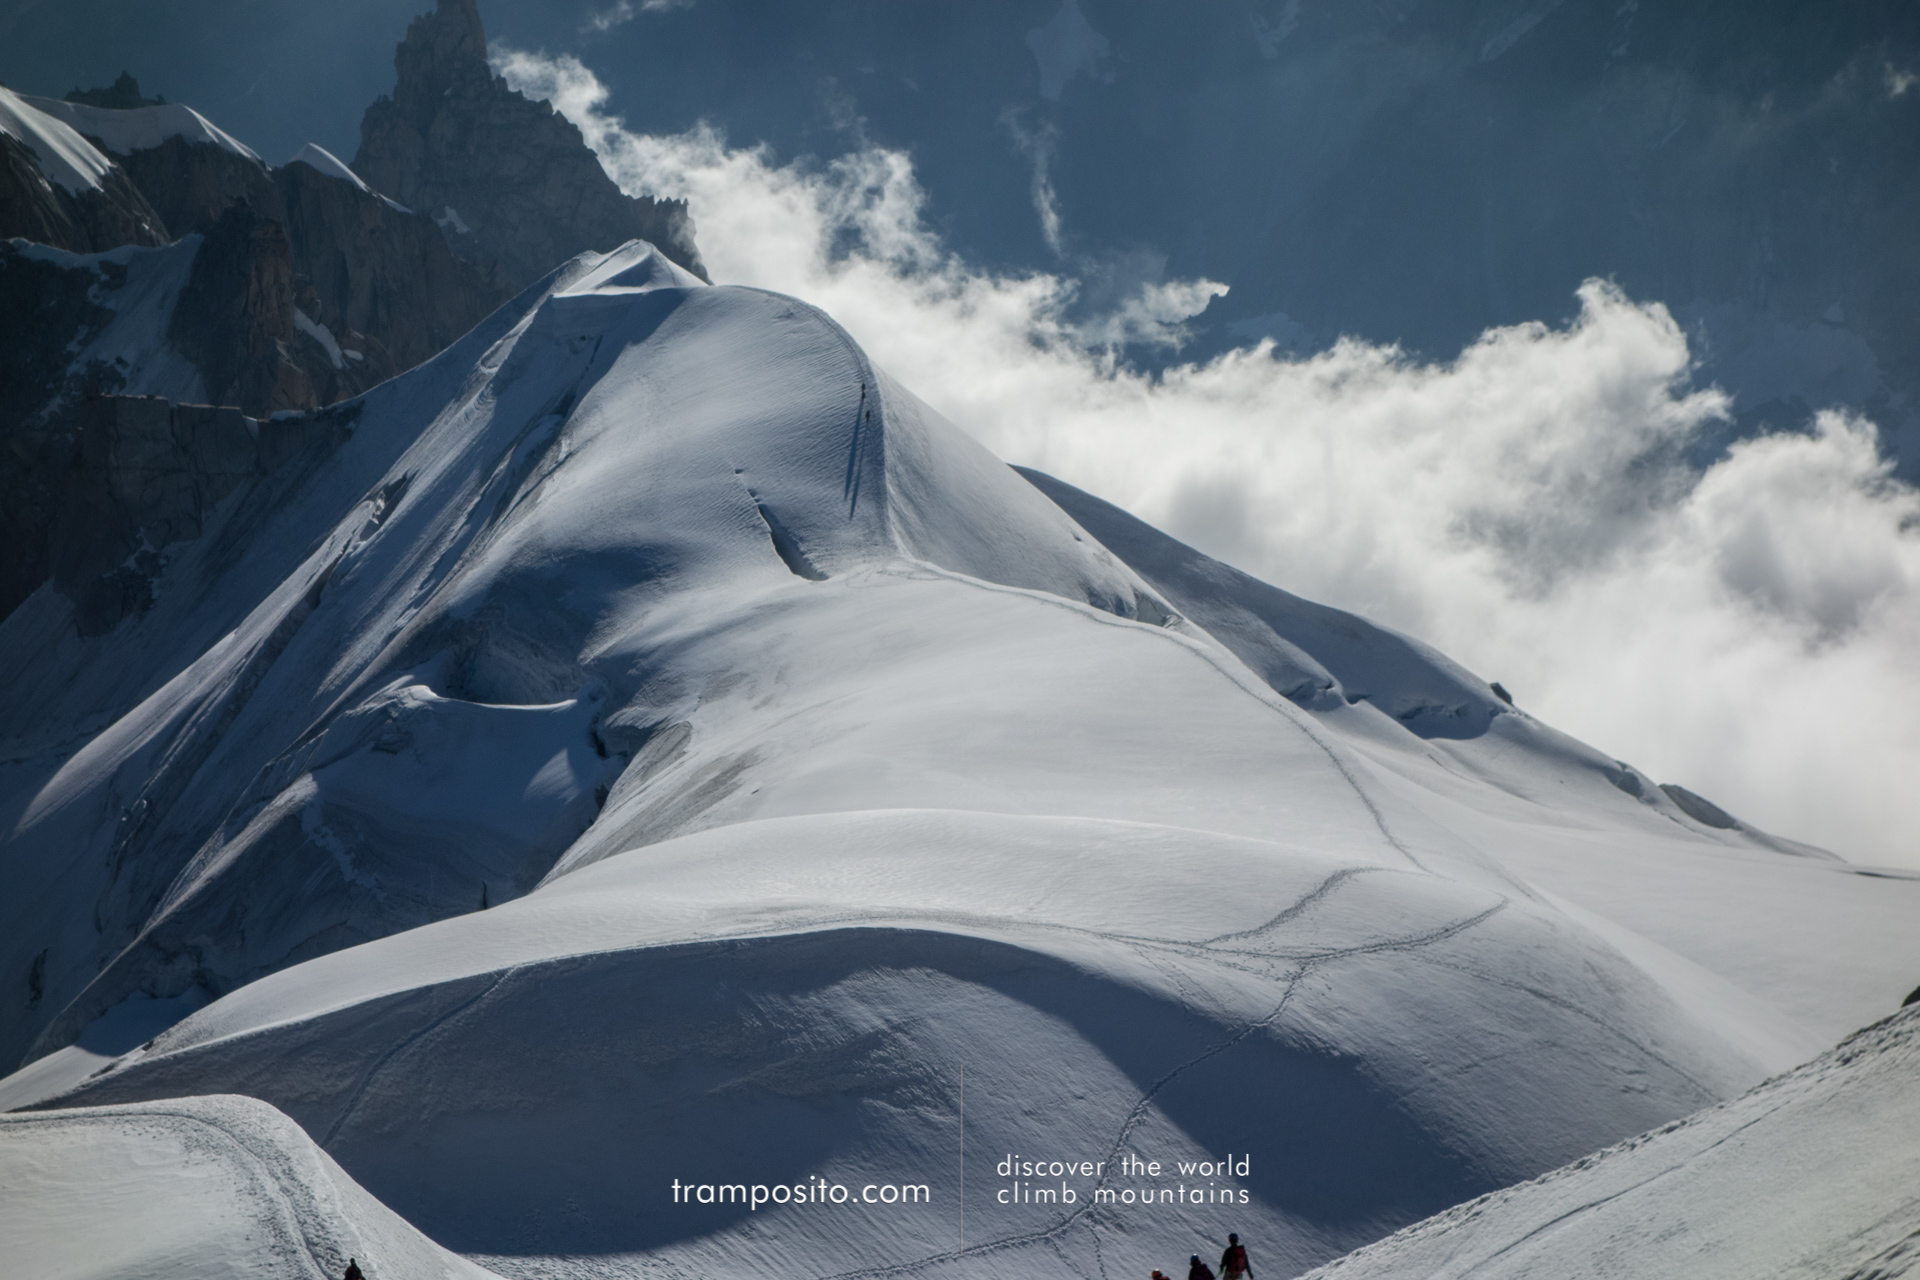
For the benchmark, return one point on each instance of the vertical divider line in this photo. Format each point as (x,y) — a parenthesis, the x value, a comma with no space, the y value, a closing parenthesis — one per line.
(963,1155)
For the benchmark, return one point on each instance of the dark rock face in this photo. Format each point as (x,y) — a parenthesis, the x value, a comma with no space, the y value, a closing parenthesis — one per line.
(456,143)
(235,317)
(29,206)
(44,306)
(138,475)
(383,281)
(190,184)
(143,474)
(380,279)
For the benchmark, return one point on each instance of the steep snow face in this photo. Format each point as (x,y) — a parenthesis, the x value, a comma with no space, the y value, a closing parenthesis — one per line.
(124,132)
(68,160)
(1810,1174)
(190,1189)
(806,758)
(1277,634)
(140,288)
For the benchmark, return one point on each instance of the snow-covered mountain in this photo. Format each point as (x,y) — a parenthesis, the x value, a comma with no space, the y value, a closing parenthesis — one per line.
(646,745)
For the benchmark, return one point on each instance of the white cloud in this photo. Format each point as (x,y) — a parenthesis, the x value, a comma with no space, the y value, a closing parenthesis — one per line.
(1747,631)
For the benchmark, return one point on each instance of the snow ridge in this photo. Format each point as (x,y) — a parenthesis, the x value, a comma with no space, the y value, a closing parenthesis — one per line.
(125,131)
(67,159)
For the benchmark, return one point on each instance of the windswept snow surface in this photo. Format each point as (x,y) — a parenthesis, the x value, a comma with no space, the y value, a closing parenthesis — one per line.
(67,159)
(808,760)
(193,1189)
(1814,1174)
(124,132)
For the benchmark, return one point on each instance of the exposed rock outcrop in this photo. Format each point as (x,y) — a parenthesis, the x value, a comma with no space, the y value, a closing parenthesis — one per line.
(234,316)
(190,184)
(373,286)
(505,177)
(382,277)
(139,474)
(235,319)
(44,306)
(357,261)
(122,95)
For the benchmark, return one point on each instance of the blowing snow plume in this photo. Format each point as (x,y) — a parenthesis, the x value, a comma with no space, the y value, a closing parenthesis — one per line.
(1740,625)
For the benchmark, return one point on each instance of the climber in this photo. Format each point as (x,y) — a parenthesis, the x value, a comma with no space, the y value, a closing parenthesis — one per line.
(1233,1263)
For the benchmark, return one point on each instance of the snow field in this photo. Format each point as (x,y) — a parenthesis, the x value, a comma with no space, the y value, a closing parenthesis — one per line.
(194,1188)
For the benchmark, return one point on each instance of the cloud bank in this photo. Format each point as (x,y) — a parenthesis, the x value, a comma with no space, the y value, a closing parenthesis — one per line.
(1748,630)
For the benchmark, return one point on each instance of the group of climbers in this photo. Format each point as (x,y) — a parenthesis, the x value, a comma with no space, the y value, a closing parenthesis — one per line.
(1233,1264)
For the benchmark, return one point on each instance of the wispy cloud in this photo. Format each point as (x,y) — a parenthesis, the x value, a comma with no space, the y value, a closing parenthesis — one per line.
(1037,145)
(626,11)
(1746,630)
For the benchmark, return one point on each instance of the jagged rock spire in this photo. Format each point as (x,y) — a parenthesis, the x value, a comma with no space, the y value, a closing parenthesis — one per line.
(441,49)
(508,180)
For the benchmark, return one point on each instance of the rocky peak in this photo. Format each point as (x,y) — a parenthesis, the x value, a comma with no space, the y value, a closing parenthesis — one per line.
(122,95)
(442,50)
(507,179)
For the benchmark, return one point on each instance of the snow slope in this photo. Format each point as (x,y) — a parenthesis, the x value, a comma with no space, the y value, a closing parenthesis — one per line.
(806,759)
(1775,925)
(194,1188)
(67,159)
(125,131)
(140,288)
(1816,1173)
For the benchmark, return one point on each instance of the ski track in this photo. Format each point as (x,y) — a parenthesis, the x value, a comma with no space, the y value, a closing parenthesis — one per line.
(366,1080)
(1258,691)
